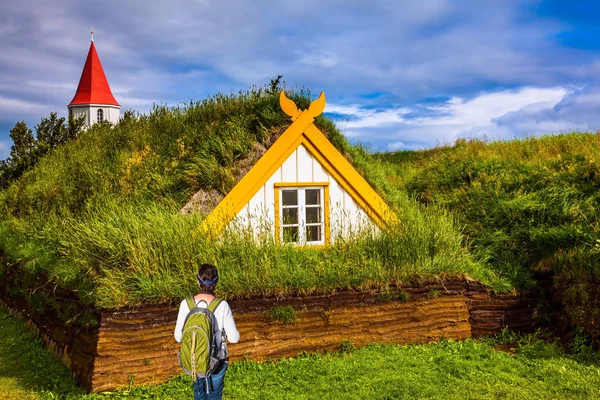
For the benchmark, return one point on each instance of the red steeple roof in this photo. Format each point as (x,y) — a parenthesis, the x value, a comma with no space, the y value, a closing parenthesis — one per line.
(93,87)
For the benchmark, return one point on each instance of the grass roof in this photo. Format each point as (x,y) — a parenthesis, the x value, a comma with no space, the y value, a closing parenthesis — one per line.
(98,219)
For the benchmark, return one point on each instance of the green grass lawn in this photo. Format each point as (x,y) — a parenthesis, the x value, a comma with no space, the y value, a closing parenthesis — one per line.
(444,370)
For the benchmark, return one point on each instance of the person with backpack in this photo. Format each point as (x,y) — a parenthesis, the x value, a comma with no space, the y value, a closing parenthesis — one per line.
(204,325)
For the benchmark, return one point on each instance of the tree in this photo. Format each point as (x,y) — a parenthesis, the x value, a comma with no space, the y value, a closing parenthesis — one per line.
(128,115)
(53,131)
(27,150)
(50,132)
(5,174)
(23,142)
(23,152)
(74,127)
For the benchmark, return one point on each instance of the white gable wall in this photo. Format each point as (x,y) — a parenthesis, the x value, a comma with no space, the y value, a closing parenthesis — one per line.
(346,217)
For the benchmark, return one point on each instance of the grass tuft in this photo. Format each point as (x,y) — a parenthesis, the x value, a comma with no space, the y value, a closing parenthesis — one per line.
(285,314)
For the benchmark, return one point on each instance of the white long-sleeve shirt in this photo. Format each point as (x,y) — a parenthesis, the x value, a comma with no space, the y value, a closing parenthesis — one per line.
(223,315)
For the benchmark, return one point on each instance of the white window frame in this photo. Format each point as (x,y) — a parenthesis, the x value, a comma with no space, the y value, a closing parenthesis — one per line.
(301,190)
(100,115)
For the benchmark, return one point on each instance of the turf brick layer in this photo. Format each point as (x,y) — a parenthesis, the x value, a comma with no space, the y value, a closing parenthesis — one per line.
(136,345)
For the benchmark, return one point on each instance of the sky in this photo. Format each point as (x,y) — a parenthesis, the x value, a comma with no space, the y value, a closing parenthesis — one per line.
(398,75)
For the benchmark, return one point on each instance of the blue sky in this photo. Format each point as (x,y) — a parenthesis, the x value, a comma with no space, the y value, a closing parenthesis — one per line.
(397,74)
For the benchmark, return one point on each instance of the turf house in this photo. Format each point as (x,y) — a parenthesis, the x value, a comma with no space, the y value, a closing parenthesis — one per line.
(302,190)
(317,241)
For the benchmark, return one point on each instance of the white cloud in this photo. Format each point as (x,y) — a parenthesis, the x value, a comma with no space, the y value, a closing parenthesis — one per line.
(409,50)
(460,115)
(139,104)
(352,109)
(445,122)
(366,118)
(20,106)
(324,59)
(378,118)
(38,84)
(578,110)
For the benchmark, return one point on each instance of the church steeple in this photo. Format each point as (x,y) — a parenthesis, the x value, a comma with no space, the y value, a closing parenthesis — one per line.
(93,96)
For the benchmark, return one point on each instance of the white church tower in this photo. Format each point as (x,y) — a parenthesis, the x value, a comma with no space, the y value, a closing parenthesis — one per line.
(94,98)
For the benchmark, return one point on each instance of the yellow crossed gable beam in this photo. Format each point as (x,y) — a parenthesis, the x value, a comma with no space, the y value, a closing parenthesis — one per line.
(348,177)
(302,131)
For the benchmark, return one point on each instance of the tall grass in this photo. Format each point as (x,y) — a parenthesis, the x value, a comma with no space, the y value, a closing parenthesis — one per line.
(520,201)
(526,205)
(116,254)
(98,218)
(166,155)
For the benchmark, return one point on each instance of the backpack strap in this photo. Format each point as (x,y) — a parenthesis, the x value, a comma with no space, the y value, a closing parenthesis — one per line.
(190,302)
(214,304)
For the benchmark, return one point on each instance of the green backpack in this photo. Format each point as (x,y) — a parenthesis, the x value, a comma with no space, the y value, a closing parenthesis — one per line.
(199,353)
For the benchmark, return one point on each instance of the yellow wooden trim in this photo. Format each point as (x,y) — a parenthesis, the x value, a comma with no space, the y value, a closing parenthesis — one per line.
(277,215)
(326,215)
(347,176)
(335,174)
(258,175)
(299,184)
(301,131)
(288,106)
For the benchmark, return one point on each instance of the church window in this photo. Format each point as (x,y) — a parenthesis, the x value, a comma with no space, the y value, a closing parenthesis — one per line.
(100,115)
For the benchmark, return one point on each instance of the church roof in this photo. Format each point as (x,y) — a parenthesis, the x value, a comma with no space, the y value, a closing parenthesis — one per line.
(93,87)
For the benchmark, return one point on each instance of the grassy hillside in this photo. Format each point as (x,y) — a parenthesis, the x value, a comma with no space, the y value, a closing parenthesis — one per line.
(97,219)
(525,205)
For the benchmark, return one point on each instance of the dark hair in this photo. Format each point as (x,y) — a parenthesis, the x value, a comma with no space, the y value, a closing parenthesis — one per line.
(207,278)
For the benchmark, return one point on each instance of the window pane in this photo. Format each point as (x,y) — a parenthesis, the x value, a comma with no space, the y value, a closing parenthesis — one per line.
(313,215)
(290,234)
(289,197)
(313,196)
(290,216)
(313,233)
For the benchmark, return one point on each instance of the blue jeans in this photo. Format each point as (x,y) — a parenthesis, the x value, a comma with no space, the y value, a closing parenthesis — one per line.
(216,383)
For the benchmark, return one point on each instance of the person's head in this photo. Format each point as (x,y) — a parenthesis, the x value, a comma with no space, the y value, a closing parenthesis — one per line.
(207,278)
